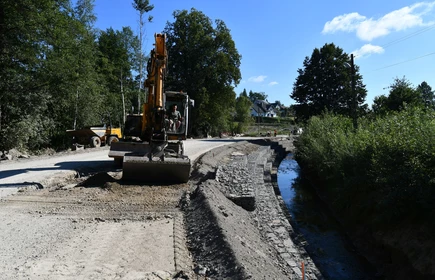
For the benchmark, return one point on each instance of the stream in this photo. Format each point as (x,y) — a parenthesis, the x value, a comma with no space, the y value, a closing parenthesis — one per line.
(326,244)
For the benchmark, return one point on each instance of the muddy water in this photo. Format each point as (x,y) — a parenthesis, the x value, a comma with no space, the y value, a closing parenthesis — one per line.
(328,247)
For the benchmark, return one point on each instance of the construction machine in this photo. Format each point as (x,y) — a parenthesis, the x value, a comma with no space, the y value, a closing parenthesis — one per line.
(94,136)
(152,149)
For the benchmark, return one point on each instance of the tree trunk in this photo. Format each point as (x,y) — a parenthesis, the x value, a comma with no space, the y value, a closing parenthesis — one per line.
(77,108)
(123,101)
(141,24)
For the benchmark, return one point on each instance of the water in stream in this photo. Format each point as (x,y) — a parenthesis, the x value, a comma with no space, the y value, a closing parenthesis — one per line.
(327,246)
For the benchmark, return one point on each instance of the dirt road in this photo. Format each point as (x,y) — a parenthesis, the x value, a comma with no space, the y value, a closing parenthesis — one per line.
(55,225)
(46,170)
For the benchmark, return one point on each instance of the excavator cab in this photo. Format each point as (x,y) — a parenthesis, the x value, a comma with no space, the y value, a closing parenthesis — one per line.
(176,128)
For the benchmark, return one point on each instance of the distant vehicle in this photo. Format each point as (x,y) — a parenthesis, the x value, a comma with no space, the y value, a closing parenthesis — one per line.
(95,136)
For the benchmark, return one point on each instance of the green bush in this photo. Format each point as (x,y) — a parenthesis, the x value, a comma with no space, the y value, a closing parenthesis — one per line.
(383,171)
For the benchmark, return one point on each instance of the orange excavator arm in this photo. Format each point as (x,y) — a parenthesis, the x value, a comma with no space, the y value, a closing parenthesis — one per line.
(154,83)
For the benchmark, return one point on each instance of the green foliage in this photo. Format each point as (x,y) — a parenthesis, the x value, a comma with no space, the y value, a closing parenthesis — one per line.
(325,83)
(30,31)
(116,61)
(53,72)
(382,172)
(403,95)
(253,96)
(204,62)
(243,109)
(143,6)
(242,115)
(270,120)
(427,95)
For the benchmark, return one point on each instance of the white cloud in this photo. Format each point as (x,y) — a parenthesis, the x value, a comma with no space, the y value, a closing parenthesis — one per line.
(346,22)
(367,50)
(257,79)
(368,29)
(273,83)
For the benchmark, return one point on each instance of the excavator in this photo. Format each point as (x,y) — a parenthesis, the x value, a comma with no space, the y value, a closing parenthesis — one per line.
(152,149)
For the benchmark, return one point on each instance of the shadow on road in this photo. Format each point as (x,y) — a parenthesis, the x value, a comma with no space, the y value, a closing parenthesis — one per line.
(83,168)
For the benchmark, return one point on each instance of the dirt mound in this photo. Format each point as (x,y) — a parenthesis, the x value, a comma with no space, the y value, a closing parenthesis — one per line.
(97,180)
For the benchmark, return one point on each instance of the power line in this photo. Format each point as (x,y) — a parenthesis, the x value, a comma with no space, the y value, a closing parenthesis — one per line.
(388,66)
(418,32)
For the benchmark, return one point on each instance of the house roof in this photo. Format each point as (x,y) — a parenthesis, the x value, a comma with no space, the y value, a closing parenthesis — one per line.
(266,106)
(258,109)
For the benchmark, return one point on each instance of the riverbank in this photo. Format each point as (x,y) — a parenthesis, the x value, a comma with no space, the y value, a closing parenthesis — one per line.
(399,250)
(236,226)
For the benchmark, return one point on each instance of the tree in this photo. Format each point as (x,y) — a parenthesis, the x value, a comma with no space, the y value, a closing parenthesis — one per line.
(142,6)
(427,95)
(401,95)
(28,30)
(204,62)
(244,93)
(243,113)
(325,83)
(116,63)
(74,84)
(254,96)
(379,106)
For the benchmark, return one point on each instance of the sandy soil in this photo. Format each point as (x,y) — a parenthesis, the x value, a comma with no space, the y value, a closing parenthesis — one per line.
(90,229)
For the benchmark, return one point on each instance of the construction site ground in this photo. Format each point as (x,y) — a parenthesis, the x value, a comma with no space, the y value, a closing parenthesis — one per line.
(97,227)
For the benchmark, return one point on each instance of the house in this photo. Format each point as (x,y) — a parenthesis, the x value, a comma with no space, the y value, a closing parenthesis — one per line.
(262,108)
(257,111)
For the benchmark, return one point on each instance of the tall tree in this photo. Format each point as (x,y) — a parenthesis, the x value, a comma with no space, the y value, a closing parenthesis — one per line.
(143,7)
(243,112)
(401,95)
(204,62)
(427,94)
(117,52)
(71,63)
(27,28)
(325,83)
(254,96)
(244,93)
(379,106)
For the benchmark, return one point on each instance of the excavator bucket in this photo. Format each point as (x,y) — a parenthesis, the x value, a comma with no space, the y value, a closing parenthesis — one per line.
(141,169)
(136,167)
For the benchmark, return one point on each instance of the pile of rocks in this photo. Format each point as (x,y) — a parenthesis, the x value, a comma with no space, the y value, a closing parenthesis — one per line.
(13,154)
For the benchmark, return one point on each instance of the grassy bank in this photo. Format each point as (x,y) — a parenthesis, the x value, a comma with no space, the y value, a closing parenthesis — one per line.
(379,180)
(379,174)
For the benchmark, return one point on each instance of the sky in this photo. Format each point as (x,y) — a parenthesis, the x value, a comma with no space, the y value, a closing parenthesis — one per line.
(390,39)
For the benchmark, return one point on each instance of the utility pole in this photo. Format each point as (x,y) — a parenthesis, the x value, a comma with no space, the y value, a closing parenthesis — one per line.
(354,97)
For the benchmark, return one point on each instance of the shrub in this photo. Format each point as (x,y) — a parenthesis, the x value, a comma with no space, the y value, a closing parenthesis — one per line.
(383,171)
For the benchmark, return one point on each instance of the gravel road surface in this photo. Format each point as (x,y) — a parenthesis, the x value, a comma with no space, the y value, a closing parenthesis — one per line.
(46,170)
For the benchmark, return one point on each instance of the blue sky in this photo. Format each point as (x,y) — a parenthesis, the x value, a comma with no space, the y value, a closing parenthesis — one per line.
(389,38)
